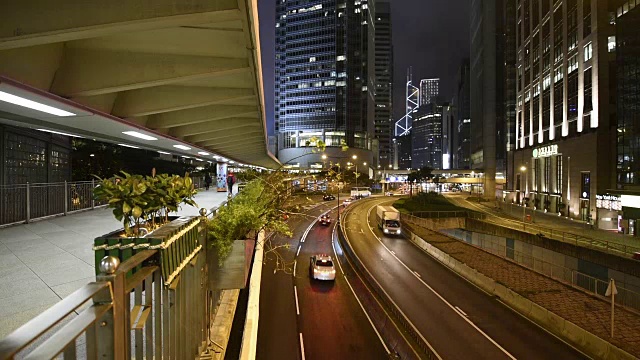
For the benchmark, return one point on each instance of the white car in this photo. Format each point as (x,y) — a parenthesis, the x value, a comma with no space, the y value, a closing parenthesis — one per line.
(321,267)
(346,202)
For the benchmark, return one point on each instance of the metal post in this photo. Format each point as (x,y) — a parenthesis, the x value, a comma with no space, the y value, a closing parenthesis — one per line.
(93,186)
(66,198)
(28,204)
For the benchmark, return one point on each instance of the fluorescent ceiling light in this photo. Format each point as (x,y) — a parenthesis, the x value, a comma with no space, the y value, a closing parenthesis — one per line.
(181,147)
(59,133)
(199,159)
(129,146)
(216,157)
(139,135)
(20,101)
(231,162)
(164,152)
(186,157)
(203,153)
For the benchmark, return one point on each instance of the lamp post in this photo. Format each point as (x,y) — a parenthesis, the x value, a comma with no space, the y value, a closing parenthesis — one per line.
(354,157)
(522,176)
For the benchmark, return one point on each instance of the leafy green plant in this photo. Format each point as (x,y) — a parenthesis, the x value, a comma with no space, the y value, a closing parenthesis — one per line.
(257,207)
(139,201)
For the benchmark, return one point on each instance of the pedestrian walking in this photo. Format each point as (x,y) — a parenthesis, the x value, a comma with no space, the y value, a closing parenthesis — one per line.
(207,181)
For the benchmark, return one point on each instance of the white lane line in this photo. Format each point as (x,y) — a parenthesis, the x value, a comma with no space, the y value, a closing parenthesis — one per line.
(461,312)
(393,252)
(416,273)
(298,252)
(356,296)
(302,346)
(295,262)
(295,291)
(306,232)
(440,296)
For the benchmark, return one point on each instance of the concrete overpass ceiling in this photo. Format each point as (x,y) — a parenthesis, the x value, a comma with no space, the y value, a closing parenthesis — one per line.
(186,70)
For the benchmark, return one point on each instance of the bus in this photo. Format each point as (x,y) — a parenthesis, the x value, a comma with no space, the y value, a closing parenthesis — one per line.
(360,192)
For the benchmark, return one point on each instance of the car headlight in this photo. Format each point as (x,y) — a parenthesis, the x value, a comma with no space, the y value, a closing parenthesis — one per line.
(386,231)
(398,231)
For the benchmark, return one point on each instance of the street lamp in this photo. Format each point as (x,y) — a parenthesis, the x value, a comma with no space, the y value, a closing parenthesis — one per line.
(522,177)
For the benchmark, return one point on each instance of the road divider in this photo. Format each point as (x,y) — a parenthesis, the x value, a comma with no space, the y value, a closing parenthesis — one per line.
(581,339)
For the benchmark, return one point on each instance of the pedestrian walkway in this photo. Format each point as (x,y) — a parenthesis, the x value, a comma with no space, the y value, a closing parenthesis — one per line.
(44,261)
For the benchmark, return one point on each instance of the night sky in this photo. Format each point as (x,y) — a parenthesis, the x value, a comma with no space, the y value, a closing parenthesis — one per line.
(430,35)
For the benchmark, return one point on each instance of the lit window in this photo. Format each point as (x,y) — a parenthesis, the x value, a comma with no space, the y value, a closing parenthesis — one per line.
(588,52)
(573,64)
(364,88)
(611,43)
(312,59)
(341,58)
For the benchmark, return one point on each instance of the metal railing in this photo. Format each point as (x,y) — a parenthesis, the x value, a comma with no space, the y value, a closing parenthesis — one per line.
(387,302)
(132,313)
(440,214)
(625,297)
(25,202)
(610,247)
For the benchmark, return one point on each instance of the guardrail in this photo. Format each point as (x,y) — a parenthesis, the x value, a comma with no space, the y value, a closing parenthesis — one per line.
(625,297)
(25,202)
(610,247)
(440,214)
(131,310)
(382,295)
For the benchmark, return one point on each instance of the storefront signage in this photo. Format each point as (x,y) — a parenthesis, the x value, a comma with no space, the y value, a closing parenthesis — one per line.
(609,202)
(545,151)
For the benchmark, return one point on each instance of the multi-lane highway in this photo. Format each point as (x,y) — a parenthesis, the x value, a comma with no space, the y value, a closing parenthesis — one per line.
(456,318)
(304,319)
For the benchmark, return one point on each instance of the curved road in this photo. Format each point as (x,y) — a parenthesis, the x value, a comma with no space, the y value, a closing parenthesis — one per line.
(458,319)
(323,319)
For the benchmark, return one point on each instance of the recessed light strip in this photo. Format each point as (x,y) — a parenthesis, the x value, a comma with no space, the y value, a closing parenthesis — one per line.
(129,146)
(181,147)
(33,105)
(139,135)
(59,133)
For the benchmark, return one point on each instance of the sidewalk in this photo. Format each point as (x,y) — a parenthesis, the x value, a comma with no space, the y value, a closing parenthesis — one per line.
(44,261)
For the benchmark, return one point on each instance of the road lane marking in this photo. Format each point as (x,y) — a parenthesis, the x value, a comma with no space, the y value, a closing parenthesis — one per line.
(295,291)
(433,351)
(298,252)
(302,346)
(356,296)
(295,262)
(461,312)
(393,252)
(441,297)
(416,273)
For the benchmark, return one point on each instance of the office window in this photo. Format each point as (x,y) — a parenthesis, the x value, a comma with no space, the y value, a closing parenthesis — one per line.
(588,52)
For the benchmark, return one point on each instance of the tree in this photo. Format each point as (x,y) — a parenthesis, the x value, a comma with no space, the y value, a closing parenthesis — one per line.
(417,176)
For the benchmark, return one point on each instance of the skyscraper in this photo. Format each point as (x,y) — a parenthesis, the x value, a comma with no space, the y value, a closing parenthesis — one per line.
(565,106)
(462,126)
(429,90)
(488,72)
(384,80)
(324,83)
(426,137)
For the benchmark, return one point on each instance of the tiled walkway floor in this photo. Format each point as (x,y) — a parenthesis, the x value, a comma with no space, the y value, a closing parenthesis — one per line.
(44,261)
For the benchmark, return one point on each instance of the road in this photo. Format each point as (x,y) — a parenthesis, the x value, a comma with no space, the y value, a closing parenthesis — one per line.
(323,319)
(458,319)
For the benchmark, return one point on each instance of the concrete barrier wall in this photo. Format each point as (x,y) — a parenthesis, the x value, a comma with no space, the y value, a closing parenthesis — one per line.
(618,263)
(589,343)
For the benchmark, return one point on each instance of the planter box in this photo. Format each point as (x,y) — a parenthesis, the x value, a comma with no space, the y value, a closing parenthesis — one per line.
(234,271)
(177,243)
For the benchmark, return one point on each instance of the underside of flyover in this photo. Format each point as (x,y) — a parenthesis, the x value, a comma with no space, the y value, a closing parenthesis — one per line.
(187,70)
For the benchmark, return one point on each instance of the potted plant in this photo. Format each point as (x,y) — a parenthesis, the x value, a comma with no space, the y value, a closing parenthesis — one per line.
(561,205)
(143,205)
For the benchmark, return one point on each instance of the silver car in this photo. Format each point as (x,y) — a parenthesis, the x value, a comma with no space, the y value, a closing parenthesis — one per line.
(321,267)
